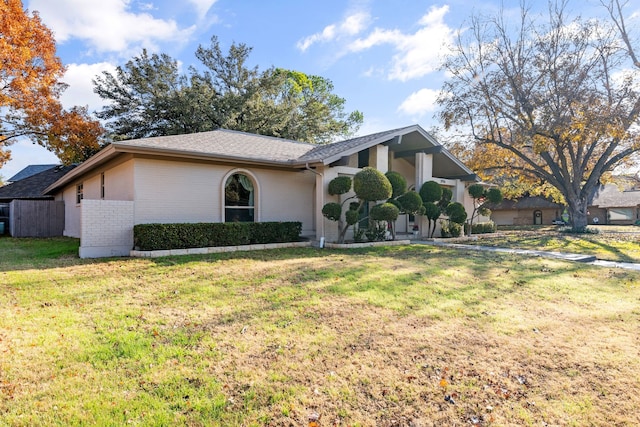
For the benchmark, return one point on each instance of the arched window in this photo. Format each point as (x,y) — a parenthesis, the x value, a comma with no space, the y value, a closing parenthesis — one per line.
(239,197)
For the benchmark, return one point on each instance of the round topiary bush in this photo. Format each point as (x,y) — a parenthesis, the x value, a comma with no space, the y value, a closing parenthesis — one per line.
(370,185)
(430,191)
(410,202)
(332,211)
(456,213)
(339,185)
(384,212)
(352,216)
(398,183)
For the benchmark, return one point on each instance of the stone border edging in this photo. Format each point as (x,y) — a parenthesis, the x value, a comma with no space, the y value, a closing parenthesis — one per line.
(216,249)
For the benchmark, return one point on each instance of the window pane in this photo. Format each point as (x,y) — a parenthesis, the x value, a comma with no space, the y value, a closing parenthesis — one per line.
(238,191)
(238,215)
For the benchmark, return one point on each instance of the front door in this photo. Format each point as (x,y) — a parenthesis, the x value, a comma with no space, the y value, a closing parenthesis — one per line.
(537,218)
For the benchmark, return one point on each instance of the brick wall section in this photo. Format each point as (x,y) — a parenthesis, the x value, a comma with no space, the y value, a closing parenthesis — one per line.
(107,228)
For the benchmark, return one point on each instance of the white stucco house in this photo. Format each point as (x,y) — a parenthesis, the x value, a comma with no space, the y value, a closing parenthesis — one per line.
(226,175)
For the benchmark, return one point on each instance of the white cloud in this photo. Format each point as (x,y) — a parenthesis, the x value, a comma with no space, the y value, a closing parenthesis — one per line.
(80,91)
(417,54)
(107,25)
(351,25)
(419,103)
(202,6)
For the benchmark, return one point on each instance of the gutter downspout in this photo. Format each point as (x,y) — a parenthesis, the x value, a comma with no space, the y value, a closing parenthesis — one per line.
(321,189)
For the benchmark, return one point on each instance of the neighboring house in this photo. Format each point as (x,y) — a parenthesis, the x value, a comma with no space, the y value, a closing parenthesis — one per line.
(25,211)
(613,205)
(532,210)
(609,205)
(29,171)
(227,175)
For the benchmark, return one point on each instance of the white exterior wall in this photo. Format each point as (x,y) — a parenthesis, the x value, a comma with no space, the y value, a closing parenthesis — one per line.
(71,212)
(287,196)
(107,228)
(171,191)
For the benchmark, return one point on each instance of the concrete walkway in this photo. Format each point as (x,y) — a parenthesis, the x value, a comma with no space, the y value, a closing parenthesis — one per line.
(587,259)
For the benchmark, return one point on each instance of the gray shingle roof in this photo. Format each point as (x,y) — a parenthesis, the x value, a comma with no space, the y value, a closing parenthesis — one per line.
(321,152)
(610,196)
(33,186)
(29,171)
(226,143)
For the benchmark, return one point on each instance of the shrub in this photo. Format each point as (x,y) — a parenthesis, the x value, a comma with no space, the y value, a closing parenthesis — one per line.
(384,212)
(483,227)
(332,211)
(398,183)
(430,191)
(149,237)
(339,185)
(450,229)
(370,185)
(456,213)
(410,202)
(376,231)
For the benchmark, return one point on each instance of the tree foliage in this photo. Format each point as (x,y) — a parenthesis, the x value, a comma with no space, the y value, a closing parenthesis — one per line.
(555,102)
(369,185)
(482,196)
(149,97)
(30,89)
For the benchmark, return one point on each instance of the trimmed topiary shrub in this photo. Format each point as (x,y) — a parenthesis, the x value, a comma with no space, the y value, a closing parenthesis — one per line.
(430,191)
(398,183)
(371,185)
(150,237)
(339,185)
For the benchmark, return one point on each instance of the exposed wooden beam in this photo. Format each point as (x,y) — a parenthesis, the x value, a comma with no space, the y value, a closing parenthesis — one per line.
(410,153)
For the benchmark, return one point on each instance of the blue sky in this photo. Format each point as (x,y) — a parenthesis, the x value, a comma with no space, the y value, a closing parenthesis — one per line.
(381,55)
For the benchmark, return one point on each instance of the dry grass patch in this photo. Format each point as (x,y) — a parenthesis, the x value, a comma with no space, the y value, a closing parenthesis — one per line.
(390,336)
(609,243)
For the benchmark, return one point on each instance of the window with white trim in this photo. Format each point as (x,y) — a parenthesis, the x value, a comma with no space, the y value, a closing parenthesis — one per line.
(239,199)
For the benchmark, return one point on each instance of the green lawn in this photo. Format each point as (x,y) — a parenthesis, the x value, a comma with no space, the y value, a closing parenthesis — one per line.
(610,243)
(413,335)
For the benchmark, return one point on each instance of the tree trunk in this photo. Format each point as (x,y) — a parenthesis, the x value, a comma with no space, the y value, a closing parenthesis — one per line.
(577,208)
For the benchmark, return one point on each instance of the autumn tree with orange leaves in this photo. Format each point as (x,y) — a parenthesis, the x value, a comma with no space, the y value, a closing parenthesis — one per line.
(553,103)
(30,89)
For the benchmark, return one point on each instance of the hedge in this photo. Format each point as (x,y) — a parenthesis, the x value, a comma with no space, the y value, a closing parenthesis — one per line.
(482,227)
(150,237)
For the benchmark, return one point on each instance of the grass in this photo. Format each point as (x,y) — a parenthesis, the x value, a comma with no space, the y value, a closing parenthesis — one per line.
(609,243)
(412,335)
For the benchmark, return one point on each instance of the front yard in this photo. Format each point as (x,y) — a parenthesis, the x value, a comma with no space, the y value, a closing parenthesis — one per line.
(402,336)
(610,243)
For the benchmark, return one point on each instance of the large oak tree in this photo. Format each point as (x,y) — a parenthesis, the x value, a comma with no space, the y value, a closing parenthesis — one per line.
(148,96)
(30,88)
(554,101)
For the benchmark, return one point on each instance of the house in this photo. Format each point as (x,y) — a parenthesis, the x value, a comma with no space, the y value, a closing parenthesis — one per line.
(25,211)
(226,175)
(610,204)
(29,171)
(533,210)
(614,205)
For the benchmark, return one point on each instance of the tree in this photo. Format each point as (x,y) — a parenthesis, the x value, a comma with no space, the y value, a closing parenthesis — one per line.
(557,102)
(149,97)
(30,89)
(431,193)
(369,185)
(482,196)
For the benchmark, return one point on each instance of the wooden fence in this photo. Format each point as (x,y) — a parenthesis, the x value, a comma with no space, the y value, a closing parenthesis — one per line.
(36,218)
